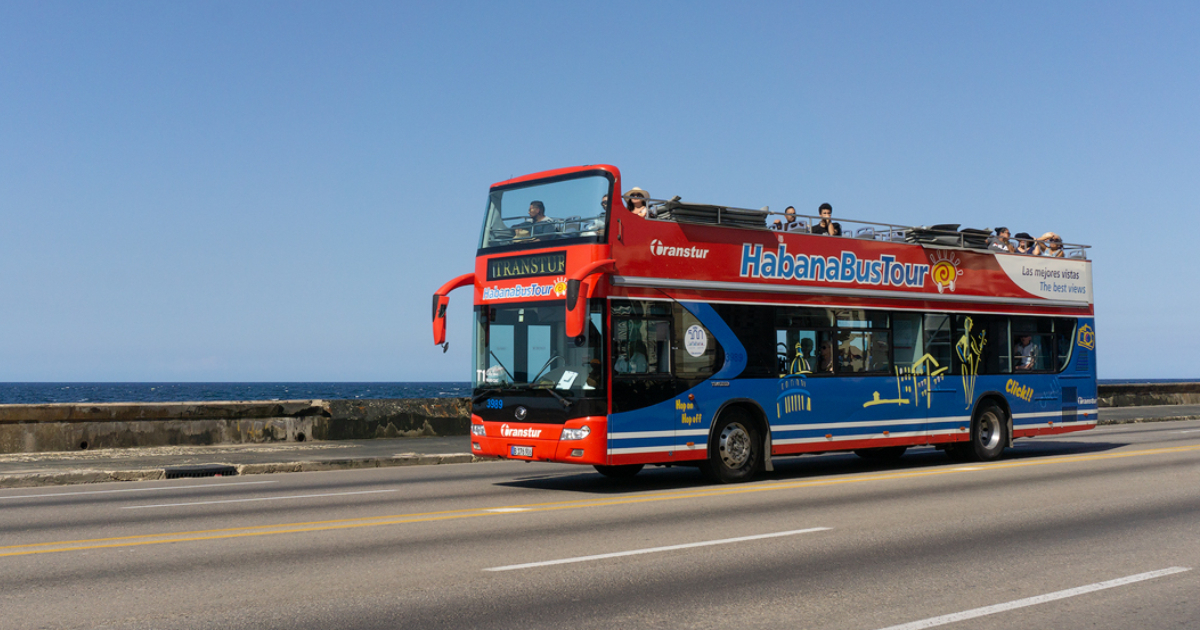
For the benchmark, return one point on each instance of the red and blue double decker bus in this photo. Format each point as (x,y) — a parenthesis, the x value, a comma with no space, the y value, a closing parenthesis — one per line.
(698,336)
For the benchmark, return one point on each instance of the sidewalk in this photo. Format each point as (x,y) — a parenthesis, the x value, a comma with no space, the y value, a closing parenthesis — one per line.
(21,470)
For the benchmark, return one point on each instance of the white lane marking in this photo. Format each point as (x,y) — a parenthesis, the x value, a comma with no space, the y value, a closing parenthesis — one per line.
(636,552)
(294,496)
(1189,431)
(71,494)
(1032,601)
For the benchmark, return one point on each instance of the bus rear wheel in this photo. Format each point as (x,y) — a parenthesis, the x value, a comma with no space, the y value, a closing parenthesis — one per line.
(620,472)
(736,450)
(988,436)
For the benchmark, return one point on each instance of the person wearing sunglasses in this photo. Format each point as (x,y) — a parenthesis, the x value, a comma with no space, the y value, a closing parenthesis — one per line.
(1050,244)
(635,199)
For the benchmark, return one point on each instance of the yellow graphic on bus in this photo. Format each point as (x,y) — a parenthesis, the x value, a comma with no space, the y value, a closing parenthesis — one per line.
(1024,392)
(683,408)
(913,383)
(1087,337)
(970,351)
(793,397)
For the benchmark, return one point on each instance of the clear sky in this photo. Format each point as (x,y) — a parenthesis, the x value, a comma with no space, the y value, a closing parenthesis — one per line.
(254,191)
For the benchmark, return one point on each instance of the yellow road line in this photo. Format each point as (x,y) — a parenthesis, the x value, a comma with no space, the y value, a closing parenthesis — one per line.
(426,517)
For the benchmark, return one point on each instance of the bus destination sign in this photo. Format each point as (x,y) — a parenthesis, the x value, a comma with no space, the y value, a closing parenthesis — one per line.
(511,267)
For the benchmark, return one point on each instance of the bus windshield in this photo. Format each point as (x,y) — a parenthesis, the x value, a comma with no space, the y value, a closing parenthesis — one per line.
(525,346)
(572,208)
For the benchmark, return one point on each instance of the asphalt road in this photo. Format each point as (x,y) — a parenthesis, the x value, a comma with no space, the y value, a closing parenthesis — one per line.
(1096,530)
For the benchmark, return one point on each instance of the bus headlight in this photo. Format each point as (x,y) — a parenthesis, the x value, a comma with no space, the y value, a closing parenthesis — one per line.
(477,429)
(575,434)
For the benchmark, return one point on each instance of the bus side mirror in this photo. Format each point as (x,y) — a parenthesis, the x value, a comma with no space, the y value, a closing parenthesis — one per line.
(441,300)
(576,314)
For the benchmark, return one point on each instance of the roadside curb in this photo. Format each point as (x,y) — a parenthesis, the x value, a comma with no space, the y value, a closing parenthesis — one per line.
(83,476)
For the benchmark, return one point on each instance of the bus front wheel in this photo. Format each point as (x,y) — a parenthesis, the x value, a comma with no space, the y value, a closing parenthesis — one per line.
(988,438)
(736,450)
(619,472)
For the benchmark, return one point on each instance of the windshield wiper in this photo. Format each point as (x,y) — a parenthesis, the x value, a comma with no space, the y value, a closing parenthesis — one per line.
(549,388)
(543,370)
(501,364)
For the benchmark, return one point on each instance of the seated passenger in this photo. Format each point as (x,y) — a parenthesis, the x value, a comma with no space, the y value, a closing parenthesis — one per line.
(1024,243)
(636,201)
(1025,353)
(1050,244)
(827,226)
(825,359)
(634,361)
(539,224)
(1000,242)
(789,223)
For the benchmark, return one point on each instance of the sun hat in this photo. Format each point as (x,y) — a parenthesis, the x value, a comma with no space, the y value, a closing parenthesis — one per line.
(633,190)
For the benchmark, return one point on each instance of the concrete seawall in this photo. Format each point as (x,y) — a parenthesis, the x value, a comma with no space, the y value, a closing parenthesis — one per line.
(81,426)
(1143,394)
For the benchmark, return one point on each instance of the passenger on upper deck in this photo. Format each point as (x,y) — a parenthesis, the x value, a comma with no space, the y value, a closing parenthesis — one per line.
(1050,244)
(539,225)
(1024,243)
(827,226)
(1000,242)
(636,198)
(791,223)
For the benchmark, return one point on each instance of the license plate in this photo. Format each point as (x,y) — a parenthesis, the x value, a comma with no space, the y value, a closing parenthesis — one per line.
(522,451)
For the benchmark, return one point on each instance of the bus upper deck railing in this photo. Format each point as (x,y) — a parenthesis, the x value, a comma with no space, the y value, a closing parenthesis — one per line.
(943,235)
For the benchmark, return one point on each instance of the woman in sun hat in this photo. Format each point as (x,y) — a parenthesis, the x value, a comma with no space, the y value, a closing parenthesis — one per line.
(635,200)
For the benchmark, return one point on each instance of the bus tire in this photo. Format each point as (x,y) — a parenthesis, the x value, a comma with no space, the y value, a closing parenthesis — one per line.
(626,471)
(988,436)
(736,450)
(883,453)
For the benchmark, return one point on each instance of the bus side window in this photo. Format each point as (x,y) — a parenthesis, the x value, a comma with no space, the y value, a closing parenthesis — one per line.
(696,349)
(1039,332)
(908,339)
(641,346)
(1064,333)
(796,351)
(939,343)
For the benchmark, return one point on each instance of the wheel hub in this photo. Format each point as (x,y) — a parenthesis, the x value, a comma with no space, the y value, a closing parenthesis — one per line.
(734,445)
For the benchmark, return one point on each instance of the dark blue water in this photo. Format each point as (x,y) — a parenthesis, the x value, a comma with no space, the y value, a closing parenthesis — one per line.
(37,393)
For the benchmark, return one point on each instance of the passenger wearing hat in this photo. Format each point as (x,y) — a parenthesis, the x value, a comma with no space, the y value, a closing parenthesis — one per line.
(1024,243)
(635,200)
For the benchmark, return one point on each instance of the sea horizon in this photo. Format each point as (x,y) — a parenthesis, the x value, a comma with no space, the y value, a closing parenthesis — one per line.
(33,393)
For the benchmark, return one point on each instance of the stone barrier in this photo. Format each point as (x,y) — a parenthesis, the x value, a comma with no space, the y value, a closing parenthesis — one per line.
(1143,394)
(76,426)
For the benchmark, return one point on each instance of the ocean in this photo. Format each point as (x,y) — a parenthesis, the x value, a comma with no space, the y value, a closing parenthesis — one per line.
(39,393)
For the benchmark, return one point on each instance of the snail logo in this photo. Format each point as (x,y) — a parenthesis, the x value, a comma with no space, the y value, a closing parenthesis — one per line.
(1087,337)
(945,271)
(560,286)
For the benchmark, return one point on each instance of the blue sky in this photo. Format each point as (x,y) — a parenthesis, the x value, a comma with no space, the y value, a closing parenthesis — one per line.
(253,191)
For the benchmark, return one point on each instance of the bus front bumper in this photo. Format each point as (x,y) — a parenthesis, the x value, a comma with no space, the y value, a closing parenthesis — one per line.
(578,441)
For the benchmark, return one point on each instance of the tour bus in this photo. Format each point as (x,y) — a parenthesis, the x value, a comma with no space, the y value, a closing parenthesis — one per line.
(695,335)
